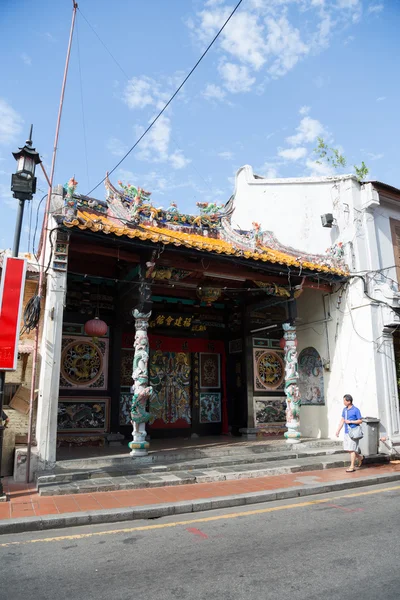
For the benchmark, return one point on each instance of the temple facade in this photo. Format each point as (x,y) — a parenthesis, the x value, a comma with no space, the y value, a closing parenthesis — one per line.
(164,324)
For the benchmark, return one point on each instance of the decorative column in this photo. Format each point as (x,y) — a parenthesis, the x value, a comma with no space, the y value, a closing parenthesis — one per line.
(292,392)
(141,390)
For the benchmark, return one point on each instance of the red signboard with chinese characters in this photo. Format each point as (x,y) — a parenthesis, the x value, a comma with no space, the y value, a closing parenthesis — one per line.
(11,296)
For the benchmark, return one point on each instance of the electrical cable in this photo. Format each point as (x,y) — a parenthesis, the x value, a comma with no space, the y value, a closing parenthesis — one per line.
(36,225)
(103,44)
(32,310)
(31,314)
(171,98)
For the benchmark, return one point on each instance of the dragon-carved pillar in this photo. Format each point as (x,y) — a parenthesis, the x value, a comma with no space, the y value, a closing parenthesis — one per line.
(141,391)
(293,400)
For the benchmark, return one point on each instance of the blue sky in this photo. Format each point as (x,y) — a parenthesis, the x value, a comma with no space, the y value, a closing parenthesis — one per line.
(282,73)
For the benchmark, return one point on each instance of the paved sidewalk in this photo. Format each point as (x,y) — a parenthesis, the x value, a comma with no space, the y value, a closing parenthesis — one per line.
(24,501)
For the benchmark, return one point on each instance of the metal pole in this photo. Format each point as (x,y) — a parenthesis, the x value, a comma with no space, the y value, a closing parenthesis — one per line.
(2,382)
(43,252)
(18,228)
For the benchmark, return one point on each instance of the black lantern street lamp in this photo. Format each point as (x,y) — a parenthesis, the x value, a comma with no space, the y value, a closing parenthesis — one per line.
(23,183)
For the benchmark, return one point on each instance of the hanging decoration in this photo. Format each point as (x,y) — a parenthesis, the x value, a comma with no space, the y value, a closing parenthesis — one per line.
(209,294)
(96,328)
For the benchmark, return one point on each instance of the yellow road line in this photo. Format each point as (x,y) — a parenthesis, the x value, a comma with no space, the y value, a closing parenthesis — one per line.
(260,511)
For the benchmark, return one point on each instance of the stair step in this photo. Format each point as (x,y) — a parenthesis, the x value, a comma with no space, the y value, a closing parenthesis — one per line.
(192,453)
(196,475)
(129,467)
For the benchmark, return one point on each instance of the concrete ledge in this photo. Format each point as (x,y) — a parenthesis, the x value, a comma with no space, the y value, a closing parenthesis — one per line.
(155,511)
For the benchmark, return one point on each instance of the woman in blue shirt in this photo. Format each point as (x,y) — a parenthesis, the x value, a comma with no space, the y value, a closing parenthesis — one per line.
(351,417)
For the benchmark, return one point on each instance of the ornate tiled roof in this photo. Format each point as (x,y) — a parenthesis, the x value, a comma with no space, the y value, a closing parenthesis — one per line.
(129,213)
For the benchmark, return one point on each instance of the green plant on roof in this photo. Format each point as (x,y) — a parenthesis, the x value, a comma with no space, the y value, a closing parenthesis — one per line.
(337,160)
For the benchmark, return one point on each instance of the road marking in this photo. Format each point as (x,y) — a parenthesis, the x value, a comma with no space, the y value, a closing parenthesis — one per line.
(260,511)
(196,531)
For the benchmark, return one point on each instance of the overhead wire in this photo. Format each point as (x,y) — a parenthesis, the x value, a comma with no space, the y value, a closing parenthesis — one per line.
(161,112)
(36,225)
(177,146)
(103,44)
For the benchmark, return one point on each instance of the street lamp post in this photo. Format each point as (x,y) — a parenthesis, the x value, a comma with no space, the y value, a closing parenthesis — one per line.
(23,186)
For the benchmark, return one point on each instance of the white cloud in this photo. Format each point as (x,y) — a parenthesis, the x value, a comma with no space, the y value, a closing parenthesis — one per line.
(210,22)
(139,92)
(347,3)
(158,138)
(177,160)
(381,98)
(116,147)
(127,176)
(236,78)
(243,39)
(269,37)
(373,156)
(284,42)
(10,123)
(375,8)
(226,155)
(214,92)
(143,92)
(307,132)
(318,170)
(269,171)
(323,34)
(293,153)
(26,59)
(155,145)
(304,110)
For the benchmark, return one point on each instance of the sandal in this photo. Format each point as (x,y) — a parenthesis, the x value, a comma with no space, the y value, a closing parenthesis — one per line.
(360,461)
(350,470)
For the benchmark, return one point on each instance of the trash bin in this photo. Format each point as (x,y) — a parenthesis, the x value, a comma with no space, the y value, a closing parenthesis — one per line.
(370,442)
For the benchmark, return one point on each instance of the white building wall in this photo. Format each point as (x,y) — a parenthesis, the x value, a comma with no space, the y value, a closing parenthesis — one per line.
(353,334)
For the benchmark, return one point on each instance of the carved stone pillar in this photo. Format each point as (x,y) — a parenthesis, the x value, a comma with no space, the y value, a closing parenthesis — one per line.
(292,392)
(141,391)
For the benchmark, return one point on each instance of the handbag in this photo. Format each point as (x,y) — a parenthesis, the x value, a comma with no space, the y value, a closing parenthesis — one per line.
(355,433)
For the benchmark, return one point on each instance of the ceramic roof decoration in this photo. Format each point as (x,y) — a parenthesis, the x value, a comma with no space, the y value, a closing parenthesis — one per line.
(129,211)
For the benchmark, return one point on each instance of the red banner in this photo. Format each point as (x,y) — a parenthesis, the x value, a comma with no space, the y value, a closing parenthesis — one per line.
(11,296)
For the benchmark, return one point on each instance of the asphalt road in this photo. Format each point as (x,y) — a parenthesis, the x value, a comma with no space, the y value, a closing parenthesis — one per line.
(342,545)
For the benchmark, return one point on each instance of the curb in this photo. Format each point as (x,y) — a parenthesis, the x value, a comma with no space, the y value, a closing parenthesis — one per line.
(155,511)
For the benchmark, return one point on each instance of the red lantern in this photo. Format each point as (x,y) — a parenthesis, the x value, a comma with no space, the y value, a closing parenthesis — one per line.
(96,328)
(282,343)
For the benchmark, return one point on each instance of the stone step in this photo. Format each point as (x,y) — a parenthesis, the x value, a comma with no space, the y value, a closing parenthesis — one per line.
(189,453)
(193,476)
(132,467)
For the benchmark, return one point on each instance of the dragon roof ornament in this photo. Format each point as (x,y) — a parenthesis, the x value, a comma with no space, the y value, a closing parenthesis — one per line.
(135,206)
(129,208)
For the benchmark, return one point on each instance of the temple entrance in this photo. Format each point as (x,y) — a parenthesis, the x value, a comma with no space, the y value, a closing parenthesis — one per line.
(188,381)
(171,402)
